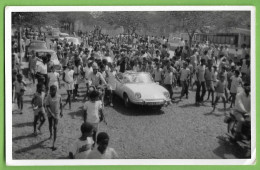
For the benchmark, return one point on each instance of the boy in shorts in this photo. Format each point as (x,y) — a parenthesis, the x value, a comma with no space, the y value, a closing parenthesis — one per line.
(93,109)
(209,77)
(19,88)
(54,108)
(38,107)
(184,78)
(220,92)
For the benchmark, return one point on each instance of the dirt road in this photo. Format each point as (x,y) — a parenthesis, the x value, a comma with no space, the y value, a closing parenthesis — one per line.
(178,131)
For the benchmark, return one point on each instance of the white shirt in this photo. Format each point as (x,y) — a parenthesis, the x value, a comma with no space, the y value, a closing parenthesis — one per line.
(243,103)
(136,68)
(158,74)
(235,83)
(96,78)
(184,74)
(201,72)
(41,68)
(80,148)
(69,75)
(110,153)
(87,70)
(168,78)
(92,109)
(53,76)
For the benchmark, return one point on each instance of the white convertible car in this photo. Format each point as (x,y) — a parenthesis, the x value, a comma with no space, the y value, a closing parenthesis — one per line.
(140,89)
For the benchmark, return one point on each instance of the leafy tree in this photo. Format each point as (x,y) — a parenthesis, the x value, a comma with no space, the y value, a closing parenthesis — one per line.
(34,19)
(131,21)
(204,21)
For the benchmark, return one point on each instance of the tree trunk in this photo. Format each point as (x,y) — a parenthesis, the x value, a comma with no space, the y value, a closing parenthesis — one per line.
(190,40)
(128,32)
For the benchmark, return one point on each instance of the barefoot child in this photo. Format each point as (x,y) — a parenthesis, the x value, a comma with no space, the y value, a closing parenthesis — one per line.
(38,107)
(19,88)
(54,108)
(53,78)
(236,81)
(84,143)
(184,78)
(209,77)
(68,78)
(92,111)
(220,91)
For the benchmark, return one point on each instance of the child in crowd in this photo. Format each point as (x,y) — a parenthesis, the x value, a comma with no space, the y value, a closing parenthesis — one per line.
(157,73)
(220,92)
(38,107)
(184,78)
(168,81)
(68,78)
(87,69)
(209,77)
(54,107)
(236,81)
(84,143)
(76,76)
(102,151)
(93,109)
(19,88)
(53,78)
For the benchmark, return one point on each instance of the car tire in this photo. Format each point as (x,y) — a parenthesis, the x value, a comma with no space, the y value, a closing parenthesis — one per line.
(158,108)
(127,102)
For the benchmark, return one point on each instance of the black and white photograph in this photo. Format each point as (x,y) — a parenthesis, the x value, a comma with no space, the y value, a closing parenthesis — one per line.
(134,85)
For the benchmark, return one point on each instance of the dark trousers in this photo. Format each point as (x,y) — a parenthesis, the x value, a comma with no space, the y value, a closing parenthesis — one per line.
(184,90)
(169,88)
(201,86)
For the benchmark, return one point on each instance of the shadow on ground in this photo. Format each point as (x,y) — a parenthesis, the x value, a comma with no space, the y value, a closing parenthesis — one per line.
(78,113)
(21,125)
(32,147)
(24,137)
(230,148)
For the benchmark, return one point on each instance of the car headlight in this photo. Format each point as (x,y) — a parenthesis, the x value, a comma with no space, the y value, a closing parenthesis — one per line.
(138,95)
(166,94)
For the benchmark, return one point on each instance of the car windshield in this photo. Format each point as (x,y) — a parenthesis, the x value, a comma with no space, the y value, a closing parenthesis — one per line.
(38,44)
(138,78)
(64,35)
(74,40)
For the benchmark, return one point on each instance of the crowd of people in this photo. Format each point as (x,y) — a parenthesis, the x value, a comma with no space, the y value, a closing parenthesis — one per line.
(209,67)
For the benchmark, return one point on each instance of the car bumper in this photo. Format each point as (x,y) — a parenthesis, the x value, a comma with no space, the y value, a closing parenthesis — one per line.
(152,102)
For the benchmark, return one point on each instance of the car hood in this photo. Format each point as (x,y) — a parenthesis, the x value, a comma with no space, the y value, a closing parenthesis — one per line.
(148,90)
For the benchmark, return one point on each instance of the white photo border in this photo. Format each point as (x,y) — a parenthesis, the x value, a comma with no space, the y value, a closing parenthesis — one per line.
(8,87)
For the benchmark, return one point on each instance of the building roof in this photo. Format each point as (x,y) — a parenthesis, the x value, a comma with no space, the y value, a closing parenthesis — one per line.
(236,30)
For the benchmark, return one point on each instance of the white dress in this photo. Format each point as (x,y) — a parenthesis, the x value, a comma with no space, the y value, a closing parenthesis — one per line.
(69,84)
(53,79)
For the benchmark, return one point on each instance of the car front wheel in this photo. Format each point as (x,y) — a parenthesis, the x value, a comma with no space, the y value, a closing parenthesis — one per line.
(126,101)
(158,108)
